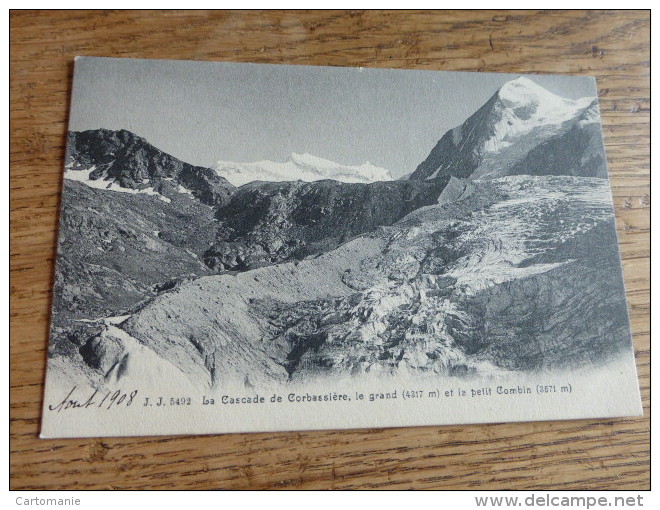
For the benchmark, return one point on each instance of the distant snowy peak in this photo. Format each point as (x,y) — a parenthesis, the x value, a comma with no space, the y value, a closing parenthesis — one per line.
(303,167)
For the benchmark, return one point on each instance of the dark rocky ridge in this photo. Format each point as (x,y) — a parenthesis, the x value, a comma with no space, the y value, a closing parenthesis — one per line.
(129,160)
(266,223)
(459,160)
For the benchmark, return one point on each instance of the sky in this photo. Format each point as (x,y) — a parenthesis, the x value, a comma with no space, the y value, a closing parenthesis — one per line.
(202,112)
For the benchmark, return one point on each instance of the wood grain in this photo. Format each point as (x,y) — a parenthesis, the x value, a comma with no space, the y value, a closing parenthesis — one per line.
(588,454)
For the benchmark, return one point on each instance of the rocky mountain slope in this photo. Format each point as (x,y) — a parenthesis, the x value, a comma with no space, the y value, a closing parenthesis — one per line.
(303,167)
(266,223)
(117,250)
(515,275)
(522,129)
(123,161)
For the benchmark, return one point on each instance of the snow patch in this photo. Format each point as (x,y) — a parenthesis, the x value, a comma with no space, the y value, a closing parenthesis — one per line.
(434,174)
(181,189)
(103,184)
(456,135)
(107,320)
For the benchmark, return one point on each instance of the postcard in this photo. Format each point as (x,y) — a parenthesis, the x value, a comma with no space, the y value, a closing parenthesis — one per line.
(252,247)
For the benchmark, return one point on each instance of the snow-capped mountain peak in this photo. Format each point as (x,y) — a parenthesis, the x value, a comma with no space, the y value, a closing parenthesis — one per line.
(520,117)
(523,106)
(303,167)
(524,90)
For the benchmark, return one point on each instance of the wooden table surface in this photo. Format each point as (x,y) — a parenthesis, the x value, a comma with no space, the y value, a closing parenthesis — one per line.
(583,454)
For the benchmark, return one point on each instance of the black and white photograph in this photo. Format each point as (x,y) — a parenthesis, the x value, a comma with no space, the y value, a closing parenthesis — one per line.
(258,247)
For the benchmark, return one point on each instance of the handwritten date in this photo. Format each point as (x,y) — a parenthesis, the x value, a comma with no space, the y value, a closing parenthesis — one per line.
(97,399)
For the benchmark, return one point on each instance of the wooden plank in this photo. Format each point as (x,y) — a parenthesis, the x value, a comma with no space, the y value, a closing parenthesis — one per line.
(614,46)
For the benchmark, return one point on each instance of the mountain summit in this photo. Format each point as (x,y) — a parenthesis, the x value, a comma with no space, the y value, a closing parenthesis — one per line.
(122,161)
(303,167)
(513,132)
